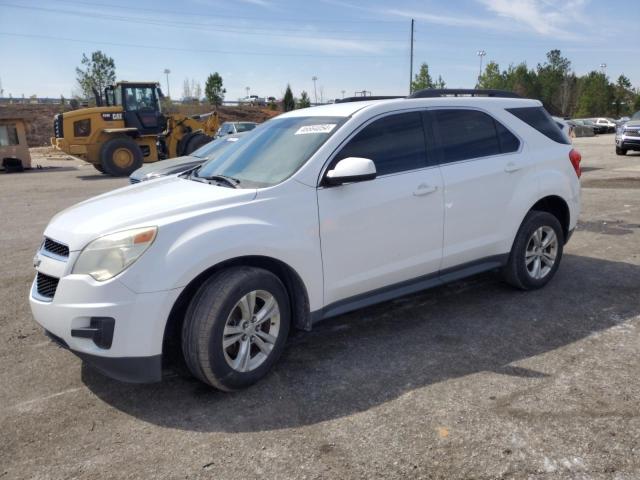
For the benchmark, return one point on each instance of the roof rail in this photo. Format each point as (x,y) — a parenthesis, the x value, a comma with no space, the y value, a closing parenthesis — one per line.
(370,97)
(457,92)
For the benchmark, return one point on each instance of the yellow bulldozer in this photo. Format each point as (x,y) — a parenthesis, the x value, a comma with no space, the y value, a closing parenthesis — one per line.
(127,128)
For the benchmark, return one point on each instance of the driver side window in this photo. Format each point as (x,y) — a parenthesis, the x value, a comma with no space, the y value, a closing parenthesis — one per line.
(395,143)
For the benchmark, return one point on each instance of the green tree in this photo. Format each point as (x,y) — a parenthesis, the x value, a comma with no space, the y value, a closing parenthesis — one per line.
(636,104)
(491,78)
(304,101)
(440,83)
(553,81)
(595,95)
(95,72)
(624,96)
(288,102)
(213,89)
(422,79)
(521,80)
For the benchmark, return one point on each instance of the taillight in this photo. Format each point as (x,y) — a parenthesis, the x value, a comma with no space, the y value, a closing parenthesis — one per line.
(576,158)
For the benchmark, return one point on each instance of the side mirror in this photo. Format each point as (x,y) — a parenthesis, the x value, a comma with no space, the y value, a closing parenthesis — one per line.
(351,169)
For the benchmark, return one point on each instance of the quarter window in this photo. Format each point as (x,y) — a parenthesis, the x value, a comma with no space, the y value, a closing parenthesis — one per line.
(395,143)
(466,134)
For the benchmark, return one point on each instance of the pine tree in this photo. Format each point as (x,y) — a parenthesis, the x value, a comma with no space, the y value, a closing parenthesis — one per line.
(213,89)
(288,101)
(422,79)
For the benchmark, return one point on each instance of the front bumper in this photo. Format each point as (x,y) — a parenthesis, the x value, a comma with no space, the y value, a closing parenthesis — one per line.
(628,142)
(135,348)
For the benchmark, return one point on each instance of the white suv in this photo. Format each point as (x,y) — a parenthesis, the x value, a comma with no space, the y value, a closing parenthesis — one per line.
(320,211)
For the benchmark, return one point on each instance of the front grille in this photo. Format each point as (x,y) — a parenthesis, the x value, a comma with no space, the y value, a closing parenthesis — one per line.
(46,285)
(58,132)
(632,133)
(56,248)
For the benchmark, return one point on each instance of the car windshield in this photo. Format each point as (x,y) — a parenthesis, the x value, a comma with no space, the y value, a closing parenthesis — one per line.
(245,127)
(272,152)
(213,148)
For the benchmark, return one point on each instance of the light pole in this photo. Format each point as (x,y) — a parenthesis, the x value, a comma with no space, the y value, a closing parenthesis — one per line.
(343,92)
(481,54)
(315,93)
(247,89)
(167,72)
(603,67)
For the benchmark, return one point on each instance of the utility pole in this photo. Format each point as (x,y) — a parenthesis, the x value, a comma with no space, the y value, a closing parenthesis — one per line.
(247,90)
(411,57)
(481,54)
(167,72)
(343,92)
(315,93)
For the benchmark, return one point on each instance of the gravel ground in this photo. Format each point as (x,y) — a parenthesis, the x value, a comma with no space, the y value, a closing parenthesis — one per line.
(471,380)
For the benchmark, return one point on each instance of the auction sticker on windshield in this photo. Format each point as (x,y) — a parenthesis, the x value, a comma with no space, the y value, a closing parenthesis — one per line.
(323,128)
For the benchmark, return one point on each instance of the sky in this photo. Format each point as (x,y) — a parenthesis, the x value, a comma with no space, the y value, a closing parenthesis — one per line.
(349,45)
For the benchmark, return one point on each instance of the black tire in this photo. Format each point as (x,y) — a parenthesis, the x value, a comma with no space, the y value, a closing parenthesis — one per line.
(98,167)
(620,151)
(196,141)
(206,318)
(115,147)
(516,272)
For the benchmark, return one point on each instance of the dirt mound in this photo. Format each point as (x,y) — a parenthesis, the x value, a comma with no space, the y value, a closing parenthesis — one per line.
(39,117)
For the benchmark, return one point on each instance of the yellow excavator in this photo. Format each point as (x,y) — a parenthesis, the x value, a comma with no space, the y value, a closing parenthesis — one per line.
(127,128)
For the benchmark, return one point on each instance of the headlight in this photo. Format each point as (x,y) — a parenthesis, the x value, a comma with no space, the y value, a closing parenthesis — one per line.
(107,256)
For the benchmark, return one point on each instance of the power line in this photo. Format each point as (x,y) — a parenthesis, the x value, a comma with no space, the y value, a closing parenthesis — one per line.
(201,26)
(185,49)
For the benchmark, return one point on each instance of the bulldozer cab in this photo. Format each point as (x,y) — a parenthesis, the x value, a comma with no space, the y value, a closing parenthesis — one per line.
(140,104)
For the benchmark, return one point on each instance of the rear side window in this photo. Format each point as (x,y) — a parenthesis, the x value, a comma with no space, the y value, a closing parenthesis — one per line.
(395,143)
(466,134)
(538,118)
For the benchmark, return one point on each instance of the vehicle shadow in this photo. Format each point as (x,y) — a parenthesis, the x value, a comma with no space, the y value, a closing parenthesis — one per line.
(363,359)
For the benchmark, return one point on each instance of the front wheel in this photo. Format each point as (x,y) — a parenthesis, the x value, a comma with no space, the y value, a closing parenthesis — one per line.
(620,151)
(120,156)
(235,327)
(536,252)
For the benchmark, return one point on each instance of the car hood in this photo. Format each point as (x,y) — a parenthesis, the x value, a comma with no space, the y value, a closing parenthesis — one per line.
(632,124)
(152,203)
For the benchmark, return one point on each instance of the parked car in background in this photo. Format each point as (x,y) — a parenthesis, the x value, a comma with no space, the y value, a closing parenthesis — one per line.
(182,164)
(608,123)
(598,129)
(581,129)
(253,100)
(628,136)
(230,128)
(318,212)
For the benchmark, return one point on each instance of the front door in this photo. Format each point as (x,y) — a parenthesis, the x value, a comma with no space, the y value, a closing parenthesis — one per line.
(388,230)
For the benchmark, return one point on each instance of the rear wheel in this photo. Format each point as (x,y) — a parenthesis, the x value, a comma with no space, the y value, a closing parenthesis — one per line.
(120,156)
(235,327)
(620,151)
(536,252)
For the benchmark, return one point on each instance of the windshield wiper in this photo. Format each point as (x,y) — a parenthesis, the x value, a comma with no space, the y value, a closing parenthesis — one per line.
(230,181)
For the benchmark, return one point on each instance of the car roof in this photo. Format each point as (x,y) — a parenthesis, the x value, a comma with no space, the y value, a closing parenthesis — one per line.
(350,108)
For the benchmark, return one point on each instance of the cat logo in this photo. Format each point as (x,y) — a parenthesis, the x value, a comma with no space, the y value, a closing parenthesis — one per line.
(111,117)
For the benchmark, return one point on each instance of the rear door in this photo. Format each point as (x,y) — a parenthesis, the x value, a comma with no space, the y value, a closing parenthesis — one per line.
(480,166)
(381,232)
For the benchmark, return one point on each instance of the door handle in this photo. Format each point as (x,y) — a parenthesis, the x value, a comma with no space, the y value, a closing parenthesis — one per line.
(512,167)
(424,189)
